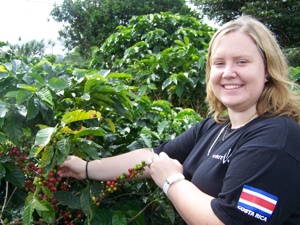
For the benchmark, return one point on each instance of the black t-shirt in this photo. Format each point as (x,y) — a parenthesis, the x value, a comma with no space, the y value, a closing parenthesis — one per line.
(253,172)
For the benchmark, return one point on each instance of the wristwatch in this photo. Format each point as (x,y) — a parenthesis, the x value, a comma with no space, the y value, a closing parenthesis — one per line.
(172,179)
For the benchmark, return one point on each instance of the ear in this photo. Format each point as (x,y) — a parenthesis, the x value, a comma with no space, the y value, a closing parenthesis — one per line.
(267,78)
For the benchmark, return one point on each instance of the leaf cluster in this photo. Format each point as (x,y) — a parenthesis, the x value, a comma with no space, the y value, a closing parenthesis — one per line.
(89,23)
(166,55)
(282,17)
(50,110)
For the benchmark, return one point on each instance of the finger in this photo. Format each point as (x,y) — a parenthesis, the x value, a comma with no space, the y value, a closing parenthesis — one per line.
(149,163)
(154,157)
(67,161)
(163,155)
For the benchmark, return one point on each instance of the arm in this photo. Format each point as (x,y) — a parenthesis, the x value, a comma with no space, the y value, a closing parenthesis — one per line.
(106,168)
(193,205)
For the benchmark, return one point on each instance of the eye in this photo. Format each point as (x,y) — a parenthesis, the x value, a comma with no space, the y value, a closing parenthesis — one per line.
(218,63)
(241,62)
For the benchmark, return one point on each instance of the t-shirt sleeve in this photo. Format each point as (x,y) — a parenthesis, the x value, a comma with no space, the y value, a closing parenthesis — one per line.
(262,182)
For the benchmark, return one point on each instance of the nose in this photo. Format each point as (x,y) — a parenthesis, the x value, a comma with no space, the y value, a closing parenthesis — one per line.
(229,71)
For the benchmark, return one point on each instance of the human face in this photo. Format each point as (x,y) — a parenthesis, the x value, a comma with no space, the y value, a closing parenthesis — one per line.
(238,73)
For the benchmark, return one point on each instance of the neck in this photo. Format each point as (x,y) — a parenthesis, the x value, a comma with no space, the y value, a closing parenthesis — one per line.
(239,120)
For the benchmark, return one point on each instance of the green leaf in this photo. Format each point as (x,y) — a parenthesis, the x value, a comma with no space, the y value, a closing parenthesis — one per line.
(186,40)
(16,64)
(22,96)
(49,214)
(42,138)
(111,125)
(139,220)
(93,131)
(64,146)
(79,115)
(119,76)
(165,105)
(57,83)
(3,111)
(38,205)
(161,126)
(68,199)
(179,89)
(47,191)
(3,69)
(11,94)
(14,128)
(14,175)
(89,147)
(101,216)
(146,140)
(179,42)
(103,73)
(26,87)
(85,201)
(45,95)
(119,218)
(167,211)
(37,77)
(166,83)
(32,108)
(47,156)
(27,214)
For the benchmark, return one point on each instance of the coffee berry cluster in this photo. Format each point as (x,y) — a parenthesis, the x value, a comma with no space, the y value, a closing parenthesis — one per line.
(112,186)
(37,179)
(71,217)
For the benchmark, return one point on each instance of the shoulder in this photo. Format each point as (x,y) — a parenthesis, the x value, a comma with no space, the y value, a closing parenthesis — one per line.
(279,132)
(279,123)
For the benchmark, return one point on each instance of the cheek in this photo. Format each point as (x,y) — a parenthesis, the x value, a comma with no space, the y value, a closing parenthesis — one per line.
(214,82)
(214,77)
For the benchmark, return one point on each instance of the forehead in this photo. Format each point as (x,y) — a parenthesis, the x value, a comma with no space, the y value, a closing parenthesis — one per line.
(235,43)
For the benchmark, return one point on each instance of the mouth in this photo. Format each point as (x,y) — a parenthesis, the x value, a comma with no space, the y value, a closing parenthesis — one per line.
(232,86)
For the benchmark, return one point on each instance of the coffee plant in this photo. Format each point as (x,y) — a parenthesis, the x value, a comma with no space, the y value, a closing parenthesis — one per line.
(51,110)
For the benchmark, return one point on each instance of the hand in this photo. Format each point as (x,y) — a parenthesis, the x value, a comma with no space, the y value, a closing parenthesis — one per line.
(162,167)
(73,167)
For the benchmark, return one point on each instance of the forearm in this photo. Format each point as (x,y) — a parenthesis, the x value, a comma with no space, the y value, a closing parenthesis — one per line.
(192,204)
(112,167)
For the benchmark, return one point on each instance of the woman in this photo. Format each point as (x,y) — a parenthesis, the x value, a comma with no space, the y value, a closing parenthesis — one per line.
(241,166)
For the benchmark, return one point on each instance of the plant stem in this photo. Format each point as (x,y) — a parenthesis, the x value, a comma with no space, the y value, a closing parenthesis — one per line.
(140,212)
(4,203)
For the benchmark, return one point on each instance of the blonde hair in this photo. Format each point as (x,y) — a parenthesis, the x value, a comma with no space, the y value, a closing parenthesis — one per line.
(277,97)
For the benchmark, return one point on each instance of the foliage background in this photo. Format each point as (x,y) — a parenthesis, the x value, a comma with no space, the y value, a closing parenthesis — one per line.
(89,23)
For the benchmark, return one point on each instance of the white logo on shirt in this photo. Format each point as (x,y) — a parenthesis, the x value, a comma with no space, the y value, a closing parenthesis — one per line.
(225,158)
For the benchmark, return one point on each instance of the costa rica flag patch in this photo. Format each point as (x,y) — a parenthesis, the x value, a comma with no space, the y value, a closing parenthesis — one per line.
(257,203)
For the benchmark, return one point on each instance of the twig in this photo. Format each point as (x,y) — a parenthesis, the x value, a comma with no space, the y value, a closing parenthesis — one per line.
(11,196)
(4,203)
(140,212)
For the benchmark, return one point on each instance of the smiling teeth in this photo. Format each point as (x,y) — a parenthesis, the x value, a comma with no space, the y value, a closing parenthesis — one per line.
(232,86)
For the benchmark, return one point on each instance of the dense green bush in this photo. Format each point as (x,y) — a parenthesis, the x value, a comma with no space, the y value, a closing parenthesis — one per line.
(51,110)
(165,54)
(293,56)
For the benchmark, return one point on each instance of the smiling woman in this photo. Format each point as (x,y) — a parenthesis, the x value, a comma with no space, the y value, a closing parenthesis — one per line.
(26,20)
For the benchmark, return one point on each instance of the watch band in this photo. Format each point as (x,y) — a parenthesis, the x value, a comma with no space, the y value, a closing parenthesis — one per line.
(171,180)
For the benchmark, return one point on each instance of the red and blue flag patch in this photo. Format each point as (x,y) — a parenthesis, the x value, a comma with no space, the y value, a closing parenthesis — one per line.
(258,201)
